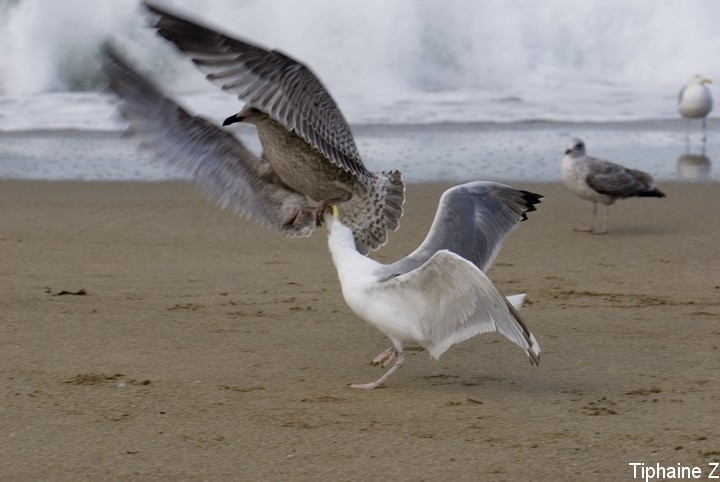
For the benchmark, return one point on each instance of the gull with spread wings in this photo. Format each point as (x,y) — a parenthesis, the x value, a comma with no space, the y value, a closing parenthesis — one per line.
(439,295)
(307,144)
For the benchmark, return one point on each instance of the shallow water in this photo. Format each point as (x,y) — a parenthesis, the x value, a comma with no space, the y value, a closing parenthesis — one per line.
(520,151)
(452,91)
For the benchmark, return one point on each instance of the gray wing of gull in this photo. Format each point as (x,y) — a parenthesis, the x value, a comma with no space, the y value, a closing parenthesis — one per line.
(615,180)
(680,95)
(217,161)
(454,301)
(285,89)
(472,220)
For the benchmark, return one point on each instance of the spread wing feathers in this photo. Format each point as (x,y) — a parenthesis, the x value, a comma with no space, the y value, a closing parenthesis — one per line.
(472,220)
(217,162)
(270,81)
(457,301)
(615,180)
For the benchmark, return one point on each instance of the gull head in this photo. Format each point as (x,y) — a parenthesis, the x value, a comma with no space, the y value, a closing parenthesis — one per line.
(339,235)
(332,217)
(699,80)
(248,114)
(575,148)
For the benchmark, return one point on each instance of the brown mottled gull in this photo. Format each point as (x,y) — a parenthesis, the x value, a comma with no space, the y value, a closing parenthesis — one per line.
(303,133)
(217,161)
(602,181)
(438,295)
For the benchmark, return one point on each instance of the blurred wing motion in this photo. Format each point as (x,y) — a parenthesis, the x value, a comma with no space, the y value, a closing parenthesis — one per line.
(218,162)
(284,88)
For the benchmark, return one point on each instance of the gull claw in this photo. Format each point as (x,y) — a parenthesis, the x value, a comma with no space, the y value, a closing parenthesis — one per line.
(385,357)
(367,386)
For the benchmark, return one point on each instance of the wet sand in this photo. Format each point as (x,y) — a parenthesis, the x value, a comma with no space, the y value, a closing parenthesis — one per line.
(147,335)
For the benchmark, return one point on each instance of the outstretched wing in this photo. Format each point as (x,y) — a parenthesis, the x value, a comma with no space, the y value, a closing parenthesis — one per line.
(217,161)
(270,81)
(454,301)
(472,220)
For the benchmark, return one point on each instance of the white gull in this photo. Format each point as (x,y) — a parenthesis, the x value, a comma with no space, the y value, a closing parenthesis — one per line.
(695,100)
(439,295)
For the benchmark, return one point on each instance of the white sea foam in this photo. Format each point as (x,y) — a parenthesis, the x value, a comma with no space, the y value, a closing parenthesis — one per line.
(399,62)
(403,61)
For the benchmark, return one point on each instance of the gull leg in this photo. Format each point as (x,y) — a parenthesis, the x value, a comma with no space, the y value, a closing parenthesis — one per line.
(293,219)
(592,222)
(605,220)
(704,138)
(327,203)
(320,212)
(296,216)
(385,357)
(380,382)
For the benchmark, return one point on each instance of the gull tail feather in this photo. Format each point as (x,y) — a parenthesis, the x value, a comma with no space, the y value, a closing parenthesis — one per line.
(375,209)
(653,193)
(517,300)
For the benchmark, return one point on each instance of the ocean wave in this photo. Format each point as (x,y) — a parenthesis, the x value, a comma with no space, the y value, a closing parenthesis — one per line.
(400,61)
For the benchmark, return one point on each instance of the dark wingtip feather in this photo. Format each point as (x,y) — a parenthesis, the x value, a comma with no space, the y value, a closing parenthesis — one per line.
(530,199)
(653,193)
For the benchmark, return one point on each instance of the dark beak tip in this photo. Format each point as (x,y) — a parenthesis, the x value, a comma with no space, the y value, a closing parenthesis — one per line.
(231,120)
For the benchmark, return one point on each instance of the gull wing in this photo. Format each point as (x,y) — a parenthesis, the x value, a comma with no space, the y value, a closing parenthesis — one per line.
(282,87)
(615,180)
(453,300)
(680,95)
(472,220)
(217,161)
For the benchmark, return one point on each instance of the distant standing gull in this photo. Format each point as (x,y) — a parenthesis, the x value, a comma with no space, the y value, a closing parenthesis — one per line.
(602,181)
(438,295)
(304,136)
(695,100)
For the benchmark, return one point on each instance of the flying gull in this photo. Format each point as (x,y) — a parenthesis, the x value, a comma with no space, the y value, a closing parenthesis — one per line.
(695,100)
(602,181)
(305,138)
(438,295)
(217,161)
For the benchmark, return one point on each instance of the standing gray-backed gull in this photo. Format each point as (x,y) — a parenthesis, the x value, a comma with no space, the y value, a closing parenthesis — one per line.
(602,181)
(305,138)
(438,295)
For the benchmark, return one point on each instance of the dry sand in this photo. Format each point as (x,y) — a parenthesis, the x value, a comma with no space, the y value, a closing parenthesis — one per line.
(205,347)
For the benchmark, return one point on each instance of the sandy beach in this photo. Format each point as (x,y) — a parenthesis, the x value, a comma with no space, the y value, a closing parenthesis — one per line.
(147,335)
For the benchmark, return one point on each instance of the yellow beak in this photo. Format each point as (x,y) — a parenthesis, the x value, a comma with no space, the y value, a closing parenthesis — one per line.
(335,213)
(707,81)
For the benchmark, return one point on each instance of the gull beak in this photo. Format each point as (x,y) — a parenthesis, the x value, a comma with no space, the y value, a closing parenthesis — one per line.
(706,81)
(232,120)
(330,219)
